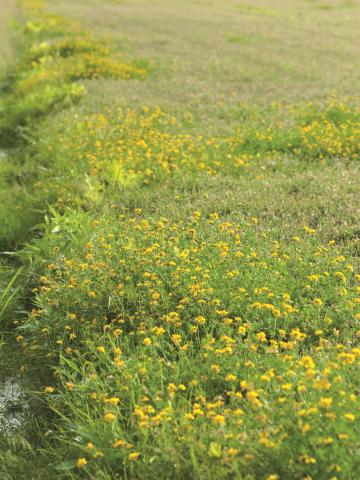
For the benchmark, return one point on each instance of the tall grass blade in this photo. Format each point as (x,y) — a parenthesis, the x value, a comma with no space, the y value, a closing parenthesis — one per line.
(9,293)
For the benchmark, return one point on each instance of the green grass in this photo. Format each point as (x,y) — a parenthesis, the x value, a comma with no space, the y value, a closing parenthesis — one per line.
(188,303)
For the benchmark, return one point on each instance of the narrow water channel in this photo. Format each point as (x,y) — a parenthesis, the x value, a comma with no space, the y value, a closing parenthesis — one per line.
(13,405)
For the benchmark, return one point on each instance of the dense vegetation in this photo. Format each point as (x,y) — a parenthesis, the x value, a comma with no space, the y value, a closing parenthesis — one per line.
(183,301)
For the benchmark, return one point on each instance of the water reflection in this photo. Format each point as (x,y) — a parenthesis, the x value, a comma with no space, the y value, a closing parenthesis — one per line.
(12,404)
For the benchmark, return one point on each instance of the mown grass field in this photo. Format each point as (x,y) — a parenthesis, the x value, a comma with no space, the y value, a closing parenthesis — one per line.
(180,208)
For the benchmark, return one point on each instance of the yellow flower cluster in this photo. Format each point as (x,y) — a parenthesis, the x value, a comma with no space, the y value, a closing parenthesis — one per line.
(228,352)
(125,147)
(54,59)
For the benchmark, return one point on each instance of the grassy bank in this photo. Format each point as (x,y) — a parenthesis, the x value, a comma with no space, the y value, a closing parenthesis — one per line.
(190,261)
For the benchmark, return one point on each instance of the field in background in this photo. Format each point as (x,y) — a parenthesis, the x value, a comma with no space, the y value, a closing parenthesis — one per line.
(180,191)
(6,10)
(210,56)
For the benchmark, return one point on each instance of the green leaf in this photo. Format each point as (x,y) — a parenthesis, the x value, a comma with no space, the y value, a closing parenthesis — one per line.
(215,450)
